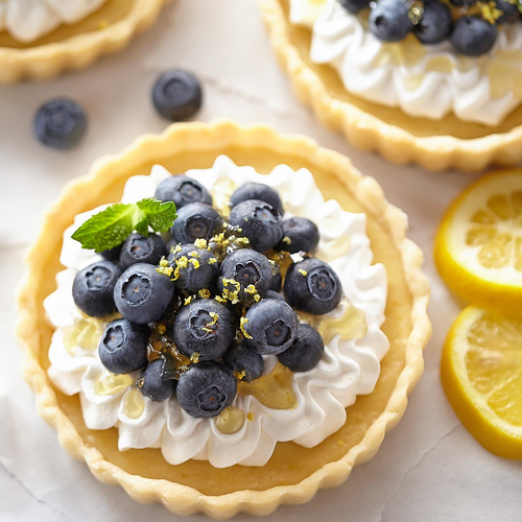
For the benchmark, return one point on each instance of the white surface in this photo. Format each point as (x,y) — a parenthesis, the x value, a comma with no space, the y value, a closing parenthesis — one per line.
(428,469)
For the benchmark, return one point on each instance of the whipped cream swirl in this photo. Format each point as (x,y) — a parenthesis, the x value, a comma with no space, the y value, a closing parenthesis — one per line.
(27,20)
(340,40)
(349,367)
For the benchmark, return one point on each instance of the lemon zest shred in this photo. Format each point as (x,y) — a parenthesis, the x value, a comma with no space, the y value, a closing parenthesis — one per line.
(204,293)
(164,268)
(240,375)
(251,289)
(242,325)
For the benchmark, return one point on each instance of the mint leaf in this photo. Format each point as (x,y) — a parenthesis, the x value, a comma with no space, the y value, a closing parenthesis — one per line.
(112,226)
(158,214)
(107,229)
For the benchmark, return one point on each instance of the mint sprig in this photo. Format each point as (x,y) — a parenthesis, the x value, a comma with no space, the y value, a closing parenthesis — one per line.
(112,226)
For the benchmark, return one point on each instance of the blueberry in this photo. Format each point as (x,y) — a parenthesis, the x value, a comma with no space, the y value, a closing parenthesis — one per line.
(354,6)
(240,272)
(182,190)
(113,254)
(155,386)
(274,295)
(436,23)
(141,249)
(243,360)
(142,295)
(93,288)
(206,389)
(277,280)
(60,123)
(299,235)
(196,221)
(389,20)
(312,286)
(306,352)
(197,268)
(259,221)
(204,327)
(177,95)
(123,346)
(258,191)
(270,327)
(473,36)
(510,12)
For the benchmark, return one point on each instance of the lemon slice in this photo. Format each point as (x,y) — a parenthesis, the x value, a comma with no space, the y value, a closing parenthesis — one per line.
(481,371)
(478,249)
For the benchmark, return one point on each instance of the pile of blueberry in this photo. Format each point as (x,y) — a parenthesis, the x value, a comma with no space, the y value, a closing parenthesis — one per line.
(201,310)
(472,32)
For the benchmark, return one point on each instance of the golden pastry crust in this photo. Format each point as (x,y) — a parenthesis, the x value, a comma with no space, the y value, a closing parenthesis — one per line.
(78,49)
(191,139)
(436,145)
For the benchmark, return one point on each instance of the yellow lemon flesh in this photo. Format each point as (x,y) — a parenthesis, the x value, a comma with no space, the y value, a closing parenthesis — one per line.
(478,249)
(481,371)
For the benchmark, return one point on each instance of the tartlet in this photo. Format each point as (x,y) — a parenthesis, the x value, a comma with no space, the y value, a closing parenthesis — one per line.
(400,138)
(195,485)
(108,29)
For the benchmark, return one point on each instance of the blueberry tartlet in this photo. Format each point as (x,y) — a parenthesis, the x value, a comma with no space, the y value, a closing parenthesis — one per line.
(429,81)
(210,329)
(42,38)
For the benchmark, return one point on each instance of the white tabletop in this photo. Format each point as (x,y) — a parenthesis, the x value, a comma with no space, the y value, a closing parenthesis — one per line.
(428,469)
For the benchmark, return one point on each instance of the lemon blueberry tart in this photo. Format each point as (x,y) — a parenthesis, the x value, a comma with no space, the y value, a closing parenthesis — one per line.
(408,78)
(239,334)
(41,38)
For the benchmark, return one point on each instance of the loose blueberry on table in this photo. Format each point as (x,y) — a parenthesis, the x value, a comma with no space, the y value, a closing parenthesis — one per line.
(177,95)
(201,315)
(470,26)
(60,123)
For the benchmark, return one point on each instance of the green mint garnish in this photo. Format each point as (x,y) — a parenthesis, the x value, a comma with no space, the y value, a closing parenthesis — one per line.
(112,226)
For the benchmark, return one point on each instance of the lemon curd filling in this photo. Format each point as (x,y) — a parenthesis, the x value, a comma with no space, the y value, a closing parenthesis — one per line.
(278,406)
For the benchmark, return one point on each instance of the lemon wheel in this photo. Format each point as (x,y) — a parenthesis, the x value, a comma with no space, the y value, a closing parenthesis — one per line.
(481,371)
(478,249)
